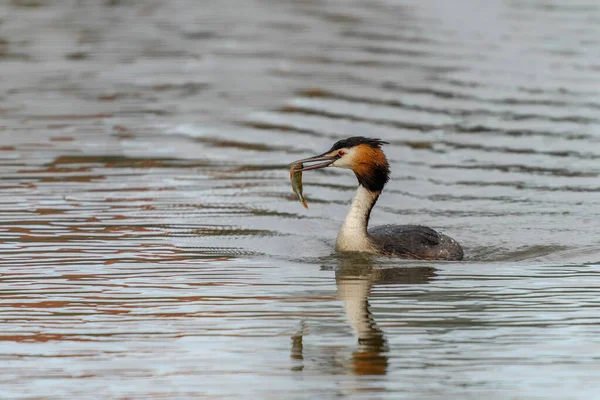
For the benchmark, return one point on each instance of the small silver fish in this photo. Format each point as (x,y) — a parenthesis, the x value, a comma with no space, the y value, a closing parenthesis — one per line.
(296,179)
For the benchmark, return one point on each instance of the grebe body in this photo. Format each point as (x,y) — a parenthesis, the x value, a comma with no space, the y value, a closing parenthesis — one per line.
(368,162)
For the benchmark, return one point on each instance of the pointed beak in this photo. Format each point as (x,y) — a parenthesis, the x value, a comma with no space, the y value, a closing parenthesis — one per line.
(327,161)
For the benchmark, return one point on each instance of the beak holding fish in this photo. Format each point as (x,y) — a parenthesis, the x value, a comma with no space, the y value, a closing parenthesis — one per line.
(298,167)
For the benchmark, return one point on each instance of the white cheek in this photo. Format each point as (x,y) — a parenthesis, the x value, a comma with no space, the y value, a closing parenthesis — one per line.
(341,163)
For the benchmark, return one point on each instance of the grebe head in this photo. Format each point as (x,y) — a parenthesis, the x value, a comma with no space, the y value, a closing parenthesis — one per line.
(360,154)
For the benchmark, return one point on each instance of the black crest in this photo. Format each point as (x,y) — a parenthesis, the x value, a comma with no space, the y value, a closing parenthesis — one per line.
(355,141)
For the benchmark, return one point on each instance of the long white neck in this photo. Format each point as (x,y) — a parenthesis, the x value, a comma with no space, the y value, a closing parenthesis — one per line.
(353,234)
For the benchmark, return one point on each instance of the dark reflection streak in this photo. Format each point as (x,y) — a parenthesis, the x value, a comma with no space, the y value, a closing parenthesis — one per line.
(447,94)
(398,52)
(457,128)
(426,145)
(332,115)
(495,149)
(129,162)
(317,93)
(238,144)
(280,127)
(521,169)
(382,37)
(368,64)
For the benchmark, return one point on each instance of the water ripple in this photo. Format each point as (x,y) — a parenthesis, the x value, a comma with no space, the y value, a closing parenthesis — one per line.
(152,246)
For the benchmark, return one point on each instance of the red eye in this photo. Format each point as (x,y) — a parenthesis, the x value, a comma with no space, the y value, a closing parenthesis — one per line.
(341,153)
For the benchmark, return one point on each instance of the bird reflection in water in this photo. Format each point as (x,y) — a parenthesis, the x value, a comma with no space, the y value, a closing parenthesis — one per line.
(355,275)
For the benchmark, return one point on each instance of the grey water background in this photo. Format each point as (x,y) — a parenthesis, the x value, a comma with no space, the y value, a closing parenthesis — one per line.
(151,246)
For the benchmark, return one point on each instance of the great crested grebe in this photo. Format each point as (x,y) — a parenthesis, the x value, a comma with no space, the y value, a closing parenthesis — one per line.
(365,157)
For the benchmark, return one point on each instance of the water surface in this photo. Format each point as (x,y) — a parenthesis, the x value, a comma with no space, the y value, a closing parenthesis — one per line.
(151,246)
